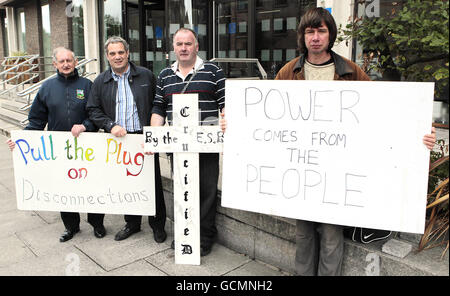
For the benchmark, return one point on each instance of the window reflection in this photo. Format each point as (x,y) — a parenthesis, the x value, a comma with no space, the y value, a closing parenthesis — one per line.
(20,21)
(78,29)
(155,41)
(111,24)
(190,14)
(133,32)
(46,39)
(275,31)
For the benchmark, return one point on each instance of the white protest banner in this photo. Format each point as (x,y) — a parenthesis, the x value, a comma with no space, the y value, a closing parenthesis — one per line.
(94,173)
(340,152)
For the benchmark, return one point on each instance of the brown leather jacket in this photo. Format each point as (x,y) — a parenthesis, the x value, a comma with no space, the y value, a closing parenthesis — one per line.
(345,69)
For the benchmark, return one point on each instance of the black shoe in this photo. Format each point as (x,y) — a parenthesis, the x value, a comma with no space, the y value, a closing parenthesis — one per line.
(205,250)
(172,245)
(99,231)
(68,235)
(159,235)
(125,233)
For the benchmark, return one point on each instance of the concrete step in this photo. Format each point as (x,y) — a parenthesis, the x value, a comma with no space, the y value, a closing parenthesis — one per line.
(12,117)
(7,127)
(14,106)
(23,100)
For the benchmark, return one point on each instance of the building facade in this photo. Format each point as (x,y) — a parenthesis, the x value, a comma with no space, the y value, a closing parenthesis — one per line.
(262,29)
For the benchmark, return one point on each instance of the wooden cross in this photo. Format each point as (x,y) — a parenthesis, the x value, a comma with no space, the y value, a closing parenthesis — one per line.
(185,138)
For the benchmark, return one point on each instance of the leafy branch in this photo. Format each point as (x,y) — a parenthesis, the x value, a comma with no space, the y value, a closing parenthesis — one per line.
(410,43)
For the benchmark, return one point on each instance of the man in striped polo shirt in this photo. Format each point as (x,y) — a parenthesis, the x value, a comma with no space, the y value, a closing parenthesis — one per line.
(190,74)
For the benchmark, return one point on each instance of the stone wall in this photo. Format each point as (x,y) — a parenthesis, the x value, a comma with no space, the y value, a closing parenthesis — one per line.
(61,25)
(33,27)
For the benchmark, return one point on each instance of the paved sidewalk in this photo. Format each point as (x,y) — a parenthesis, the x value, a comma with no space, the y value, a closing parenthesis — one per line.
(30,245)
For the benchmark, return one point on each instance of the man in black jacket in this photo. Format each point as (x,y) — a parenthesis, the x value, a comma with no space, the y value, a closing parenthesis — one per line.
(61,102)
(120,103)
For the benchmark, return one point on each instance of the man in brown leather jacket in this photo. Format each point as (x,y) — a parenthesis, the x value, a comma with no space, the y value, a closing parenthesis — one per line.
(320,253)
(316,33)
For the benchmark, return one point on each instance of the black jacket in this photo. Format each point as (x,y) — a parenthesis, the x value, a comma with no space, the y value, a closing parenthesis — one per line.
(102,99)
(61,102)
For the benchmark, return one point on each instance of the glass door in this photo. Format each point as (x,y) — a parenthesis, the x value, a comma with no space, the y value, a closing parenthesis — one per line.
(232,30)
(132,20)
(232,37)
(46,40)
(262,29)
(110,24)
(156,47)
(192,14)
(276,32)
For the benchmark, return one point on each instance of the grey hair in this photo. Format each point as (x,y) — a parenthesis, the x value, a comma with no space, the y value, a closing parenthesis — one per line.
(116,39)
(58,49)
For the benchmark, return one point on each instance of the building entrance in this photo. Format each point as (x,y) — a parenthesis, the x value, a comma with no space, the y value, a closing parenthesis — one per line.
(145,25)
(262,29)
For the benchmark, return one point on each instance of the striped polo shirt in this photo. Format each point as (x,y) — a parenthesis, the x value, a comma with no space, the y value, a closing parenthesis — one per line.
(208,82)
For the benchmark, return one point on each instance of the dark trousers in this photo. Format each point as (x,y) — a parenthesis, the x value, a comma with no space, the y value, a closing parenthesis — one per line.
(159,220)
(209,176)
(320,249)
(72,220)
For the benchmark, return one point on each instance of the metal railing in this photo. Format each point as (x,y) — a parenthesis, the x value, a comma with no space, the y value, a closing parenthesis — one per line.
(13,69)
(243,60)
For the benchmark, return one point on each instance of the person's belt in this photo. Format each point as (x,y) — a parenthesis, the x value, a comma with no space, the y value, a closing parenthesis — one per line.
(135,132)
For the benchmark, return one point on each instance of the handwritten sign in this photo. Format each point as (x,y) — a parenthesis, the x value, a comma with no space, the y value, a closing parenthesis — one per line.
(95,173)
(347,153)
(185,138)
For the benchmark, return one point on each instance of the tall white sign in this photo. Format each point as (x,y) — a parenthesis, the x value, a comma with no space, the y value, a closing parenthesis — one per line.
(340,152)
(186,139)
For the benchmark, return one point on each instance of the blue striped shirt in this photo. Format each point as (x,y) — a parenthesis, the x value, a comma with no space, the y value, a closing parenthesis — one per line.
(126,111)
(208,82)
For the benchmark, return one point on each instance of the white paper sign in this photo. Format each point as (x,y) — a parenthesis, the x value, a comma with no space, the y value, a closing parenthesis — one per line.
(94,173)
(186,186)
(347,153)
(183,138)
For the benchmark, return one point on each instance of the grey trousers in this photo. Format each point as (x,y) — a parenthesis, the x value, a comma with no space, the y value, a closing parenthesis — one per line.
(318,253)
